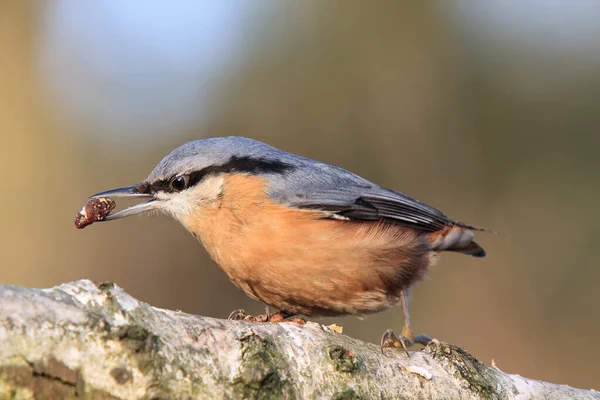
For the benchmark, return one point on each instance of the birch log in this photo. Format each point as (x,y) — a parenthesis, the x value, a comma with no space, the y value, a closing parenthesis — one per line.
(92,340)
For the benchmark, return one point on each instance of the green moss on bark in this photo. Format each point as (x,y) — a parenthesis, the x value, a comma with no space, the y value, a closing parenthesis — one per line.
(343,360)
(260,374)
(466,367)
(346,394)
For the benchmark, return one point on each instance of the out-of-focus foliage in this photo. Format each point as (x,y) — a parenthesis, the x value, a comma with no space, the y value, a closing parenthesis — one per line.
(423,98)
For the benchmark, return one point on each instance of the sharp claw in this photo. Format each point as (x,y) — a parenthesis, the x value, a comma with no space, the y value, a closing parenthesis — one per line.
(390,340)
(406,342)
(383,343)
(237,315)
(384,339)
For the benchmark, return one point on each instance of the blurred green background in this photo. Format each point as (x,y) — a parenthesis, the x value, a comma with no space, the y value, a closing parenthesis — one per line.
(486,110)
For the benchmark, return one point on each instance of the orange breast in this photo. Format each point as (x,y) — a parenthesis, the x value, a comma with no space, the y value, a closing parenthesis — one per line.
(297,261)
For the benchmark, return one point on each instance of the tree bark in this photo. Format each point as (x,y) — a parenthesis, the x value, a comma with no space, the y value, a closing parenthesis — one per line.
(93,340)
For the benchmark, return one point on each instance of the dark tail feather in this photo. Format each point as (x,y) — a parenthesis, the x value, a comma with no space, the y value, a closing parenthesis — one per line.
(472,249)
(457,238)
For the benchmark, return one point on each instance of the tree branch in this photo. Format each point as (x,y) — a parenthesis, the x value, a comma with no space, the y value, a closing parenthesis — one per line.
(84,339)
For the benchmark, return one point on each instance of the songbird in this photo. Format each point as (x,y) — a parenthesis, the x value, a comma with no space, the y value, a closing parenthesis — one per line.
(305,237)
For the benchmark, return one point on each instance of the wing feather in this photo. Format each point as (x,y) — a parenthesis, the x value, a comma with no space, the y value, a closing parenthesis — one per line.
(344,195)
(374,204)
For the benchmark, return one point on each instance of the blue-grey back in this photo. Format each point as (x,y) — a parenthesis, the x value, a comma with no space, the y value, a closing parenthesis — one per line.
(306,183)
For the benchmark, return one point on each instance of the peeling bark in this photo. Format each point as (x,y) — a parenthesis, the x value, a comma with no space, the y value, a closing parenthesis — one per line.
(89,340)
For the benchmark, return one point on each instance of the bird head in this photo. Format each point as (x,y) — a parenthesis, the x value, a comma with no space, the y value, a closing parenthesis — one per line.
(193,174)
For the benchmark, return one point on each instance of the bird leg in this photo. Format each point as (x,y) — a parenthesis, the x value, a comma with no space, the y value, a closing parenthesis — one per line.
(407,338)
(240,315)
(237,315)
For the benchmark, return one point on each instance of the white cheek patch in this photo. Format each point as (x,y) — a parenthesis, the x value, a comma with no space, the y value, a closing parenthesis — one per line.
(182,204)
(210,188)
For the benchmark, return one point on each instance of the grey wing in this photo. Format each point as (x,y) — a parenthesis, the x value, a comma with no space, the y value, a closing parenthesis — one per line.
(341,194)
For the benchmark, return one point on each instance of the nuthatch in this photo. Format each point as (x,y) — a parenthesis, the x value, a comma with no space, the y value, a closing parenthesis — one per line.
(305,237)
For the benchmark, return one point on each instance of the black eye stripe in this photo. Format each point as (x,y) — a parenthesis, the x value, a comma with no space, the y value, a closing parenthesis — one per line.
(249,165)
(154,187)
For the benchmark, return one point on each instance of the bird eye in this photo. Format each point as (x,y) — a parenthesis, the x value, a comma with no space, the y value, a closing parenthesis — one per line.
(179,183)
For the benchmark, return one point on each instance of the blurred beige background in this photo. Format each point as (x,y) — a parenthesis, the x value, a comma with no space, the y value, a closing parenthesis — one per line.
(486,110)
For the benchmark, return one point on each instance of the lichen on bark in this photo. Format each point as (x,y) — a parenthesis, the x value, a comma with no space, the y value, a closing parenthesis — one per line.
(93,340)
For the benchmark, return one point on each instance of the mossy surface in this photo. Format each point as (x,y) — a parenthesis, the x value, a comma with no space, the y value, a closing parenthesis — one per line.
(346,394)
(260,374)
(466,367)
(343,360)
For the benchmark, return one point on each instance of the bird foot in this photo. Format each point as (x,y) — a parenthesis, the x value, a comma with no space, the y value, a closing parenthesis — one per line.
(281,316)
(237,315)
(407,339)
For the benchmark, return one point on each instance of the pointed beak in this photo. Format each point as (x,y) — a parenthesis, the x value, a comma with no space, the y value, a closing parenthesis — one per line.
(128,192)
